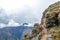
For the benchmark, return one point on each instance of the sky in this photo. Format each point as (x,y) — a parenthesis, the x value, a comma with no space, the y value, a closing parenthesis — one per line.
(21,4)
(21,11)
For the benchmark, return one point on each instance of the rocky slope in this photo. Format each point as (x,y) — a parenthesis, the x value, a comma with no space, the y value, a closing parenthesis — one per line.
(50,24)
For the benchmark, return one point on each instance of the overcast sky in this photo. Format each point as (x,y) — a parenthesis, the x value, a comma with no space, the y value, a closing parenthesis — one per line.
(9,5)
(24,10)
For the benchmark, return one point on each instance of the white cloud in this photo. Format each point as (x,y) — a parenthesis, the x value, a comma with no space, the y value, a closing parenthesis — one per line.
(31,10)
(3,17)
(13,23)
(2,25)
(37,5)
(13,4)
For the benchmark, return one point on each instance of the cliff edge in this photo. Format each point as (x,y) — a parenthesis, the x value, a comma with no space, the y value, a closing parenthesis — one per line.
(50,24)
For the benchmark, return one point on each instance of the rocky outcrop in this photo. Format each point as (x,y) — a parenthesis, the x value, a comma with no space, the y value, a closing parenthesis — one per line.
(52,14)
(50,24)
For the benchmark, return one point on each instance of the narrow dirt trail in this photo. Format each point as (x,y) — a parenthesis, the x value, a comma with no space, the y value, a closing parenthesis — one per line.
(44,31)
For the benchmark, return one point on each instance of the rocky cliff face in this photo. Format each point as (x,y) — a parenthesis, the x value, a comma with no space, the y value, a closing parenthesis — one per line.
(52,17)
(52,14)
(50,24)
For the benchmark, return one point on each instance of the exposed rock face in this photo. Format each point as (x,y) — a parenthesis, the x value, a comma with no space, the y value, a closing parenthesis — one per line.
(52,17)
(50,24)
(52,14)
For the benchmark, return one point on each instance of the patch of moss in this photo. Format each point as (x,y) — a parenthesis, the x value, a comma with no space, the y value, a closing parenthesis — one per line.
(52,14)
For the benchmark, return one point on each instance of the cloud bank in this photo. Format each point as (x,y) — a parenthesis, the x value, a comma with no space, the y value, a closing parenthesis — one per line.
(22,11)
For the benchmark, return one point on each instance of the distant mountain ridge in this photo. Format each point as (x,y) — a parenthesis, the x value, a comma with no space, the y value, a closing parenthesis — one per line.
(13,33)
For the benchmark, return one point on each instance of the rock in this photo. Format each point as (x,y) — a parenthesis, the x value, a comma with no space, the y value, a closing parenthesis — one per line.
(50,23)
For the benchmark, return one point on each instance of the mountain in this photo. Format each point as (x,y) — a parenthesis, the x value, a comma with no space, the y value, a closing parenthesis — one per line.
(49,28)
(14,33)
